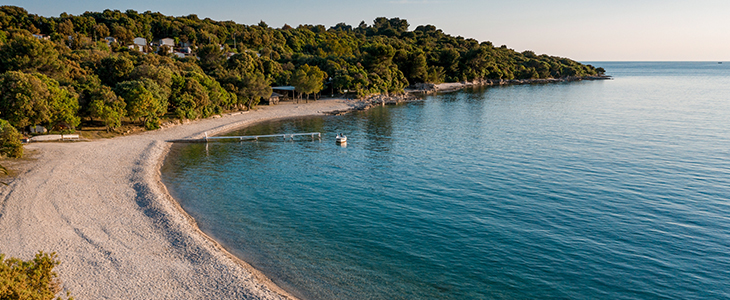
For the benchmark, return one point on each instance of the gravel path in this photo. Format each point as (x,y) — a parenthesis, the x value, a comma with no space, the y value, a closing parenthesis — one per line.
(118,234)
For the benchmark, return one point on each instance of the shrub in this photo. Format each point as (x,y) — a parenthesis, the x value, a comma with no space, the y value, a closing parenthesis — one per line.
(10,144)
(152,123)
(33,279)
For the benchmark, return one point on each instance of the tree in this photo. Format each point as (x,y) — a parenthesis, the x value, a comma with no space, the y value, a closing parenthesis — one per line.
(123,34)
(308,80)
(413,65)
(32,99)
(113,69)
(299,80)
(377,55)
(449,60)
(66,28)
(64,104)
(23,99)
(108,107)
(160,74)
(211,58)
(219,97)
(190,100)
(100,31)
(316,78)
(251,88)
(244,63)
(143,101)
(28,54)
(342,80)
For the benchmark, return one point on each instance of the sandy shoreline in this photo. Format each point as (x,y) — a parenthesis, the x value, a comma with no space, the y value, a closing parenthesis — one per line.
(117,231)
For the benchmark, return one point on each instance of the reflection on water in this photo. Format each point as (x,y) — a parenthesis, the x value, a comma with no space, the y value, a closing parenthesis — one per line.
(378,129)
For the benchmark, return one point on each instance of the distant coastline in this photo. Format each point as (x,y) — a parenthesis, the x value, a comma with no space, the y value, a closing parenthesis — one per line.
(415,92)
(454,86)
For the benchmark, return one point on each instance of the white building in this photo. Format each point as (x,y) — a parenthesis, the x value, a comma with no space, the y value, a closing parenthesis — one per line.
(170,43)
(41,36)
(139,44)
(167,42)
(140,41)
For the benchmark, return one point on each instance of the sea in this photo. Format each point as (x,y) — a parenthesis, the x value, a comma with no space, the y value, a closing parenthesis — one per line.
(607,189)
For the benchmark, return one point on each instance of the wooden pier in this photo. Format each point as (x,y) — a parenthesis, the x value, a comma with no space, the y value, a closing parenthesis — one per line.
(283,136)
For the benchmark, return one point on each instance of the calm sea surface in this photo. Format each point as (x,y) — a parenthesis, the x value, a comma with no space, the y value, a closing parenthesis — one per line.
(613,189)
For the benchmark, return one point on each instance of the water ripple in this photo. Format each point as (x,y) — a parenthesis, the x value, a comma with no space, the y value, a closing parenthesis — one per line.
(612,190)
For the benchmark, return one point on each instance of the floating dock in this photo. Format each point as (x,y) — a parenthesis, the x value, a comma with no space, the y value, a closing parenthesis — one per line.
(283,136)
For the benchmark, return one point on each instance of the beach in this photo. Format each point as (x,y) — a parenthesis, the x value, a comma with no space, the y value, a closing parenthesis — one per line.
(100,205)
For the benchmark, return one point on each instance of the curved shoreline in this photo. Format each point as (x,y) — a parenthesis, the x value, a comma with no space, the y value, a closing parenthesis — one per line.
(102,206)
(117,231)
(258,275)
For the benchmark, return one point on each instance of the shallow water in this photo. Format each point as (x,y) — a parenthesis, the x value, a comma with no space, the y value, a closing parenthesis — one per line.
(604,189)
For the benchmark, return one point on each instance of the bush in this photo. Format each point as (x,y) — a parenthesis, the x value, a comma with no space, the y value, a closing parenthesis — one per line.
(152,123)
(33,279)
(10,144)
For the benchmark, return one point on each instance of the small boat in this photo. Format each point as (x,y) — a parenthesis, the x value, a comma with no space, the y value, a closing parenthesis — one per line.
(341,138)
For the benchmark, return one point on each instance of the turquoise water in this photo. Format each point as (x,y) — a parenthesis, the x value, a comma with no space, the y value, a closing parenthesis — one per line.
(588,190)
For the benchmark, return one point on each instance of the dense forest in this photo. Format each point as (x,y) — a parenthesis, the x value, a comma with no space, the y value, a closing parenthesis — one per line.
(114,66)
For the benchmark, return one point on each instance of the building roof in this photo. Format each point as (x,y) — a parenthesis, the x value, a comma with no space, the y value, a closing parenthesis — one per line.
(283,88)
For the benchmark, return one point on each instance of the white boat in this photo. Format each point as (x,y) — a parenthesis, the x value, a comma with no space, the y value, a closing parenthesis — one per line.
(341,138)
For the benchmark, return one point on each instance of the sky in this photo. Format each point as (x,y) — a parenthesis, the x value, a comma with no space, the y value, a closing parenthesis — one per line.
(585,30)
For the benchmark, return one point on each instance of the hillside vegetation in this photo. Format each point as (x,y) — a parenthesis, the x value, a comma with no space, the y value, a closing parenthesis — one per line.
(60,71)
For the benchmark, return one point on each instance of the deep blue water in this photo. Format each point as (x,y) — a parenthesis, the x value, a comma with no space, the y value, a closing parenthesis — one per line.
(613,189)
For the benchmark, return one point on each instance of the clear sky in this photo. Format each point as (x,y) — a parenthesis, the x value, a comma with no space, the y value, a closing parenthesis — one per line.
(584,30)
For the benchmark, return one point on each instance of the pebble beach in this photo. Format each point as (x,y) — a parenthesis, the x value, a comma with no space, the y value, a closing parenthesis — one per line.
(118,233)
